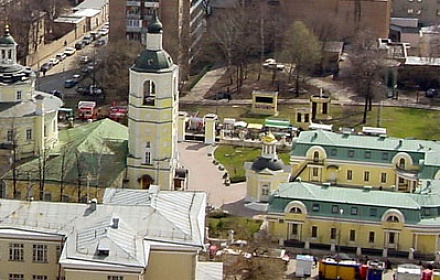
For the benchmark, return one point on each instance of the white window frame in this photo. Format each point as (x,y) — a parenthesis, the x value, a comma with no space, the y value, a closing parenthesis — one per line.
(39,253)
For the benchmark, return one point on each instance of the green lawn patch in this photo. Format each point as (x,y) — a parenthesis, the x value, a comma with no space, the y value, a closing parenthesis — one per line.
(243,227)
(234,157)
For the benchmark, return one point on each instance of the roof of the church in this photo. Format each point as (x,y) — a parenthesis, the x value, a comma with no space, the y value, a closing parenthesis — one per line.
(99,147)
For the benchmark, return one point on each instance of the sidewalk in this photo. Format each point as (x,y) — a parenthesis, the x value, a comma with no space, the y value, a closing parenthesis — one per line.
(340,95)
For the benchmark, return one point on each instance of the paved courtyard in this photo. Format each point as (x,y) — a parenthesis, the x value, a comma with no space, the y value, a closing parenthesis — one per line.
(205,176)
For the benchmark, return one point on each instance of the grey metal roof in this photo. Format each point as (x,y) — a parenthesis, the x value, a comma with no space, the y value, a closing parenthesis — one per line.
(172,218)
(209,271)
(272,164)
(91,4)
(26,108)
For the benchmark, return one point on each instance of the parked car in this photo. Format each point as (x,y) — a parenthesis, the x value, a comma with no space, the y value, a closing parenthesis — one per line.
(95,35)
(103,31)
(77,77)
(84,59)
(46,67)
(70,83)
(88,69)
(69,51)
(87,39)
(57,93)
(100,42)
(60,56)
(54,61)
(79,45)
(222,95)
(432,92)
(90,90)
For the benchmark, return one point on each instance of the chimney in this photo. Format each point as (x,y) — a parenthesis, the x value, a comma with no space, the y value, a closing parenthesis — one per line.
(93,204)
(39,110)
(115,222)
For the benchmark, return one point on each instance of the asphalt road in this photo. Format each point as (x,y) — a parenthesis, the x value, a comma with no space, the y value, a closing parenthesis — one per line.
(55,77)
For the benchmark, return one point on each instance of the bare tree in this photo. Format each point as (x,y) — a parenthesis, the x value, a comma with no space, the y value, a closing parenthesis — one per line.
(301,51)
(110,67)
(368,63)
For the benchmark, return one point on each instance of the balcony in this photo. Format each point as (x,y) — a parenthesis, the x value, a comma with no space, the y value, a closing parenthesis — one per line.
(408,174)
(133,3)
(151,4)
(133,16)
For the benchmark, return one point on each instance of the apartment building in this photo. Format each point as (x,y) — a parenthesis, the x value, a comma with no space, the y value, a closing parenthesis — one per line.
(344,17)
(183,24)
(134,234)
(426,11)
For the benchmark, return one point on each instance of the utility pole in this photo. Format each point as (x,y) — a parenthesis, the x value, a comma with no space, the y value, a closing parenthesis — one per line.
(341,212)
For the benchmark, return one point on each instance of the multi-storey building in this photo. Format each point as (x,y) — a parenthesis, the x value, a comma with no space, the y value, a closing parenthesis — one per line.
(343,17)
(134,234)
(358,160)
(183,24)
(426,11)
(361,220)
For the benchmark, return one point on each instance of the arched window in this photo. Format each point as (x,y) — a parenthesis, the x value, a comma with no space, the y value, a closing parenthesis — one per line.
(393,219)
(402,163)
(315,156)
(149,93)
(295,210)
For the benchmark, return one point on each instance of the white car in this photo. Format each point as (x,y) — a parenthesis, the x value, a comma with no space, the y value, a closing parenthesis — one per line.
(103,31)
(60,56)
(69,51)
(54,61)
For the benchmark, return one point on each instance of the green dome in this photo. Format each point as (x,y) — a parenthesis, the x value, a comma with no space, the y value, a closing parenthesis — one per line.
(155,25)
(152,61)
(7,38)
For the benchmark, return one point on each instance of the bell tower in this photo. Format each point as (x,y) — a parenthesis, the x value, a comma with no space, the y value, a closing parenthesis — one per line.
(152,115)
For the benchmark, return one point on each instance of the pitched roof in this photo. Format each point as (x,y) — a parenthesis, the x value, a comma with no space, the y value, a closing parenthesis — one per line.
(323,137)
(97,150)
(89,230)
(409,203)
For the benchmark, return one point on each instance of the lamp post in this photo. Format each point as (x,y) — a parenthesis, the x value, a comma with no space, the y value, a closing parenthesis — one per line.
(341,212)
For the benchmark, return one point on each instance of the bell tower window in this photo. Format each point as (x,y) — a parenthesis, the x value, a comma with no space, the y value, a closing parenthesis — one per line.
(149,93)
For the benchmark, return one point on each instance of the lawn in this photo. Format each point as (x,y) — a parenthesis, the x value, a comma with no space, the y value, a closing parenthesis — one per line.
(400,122)
(234,157)
(220,224)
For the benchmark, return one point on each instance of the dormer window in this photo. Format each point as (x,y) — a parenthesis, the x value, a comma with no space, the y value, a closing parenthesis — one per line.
(393,219)
(149,93)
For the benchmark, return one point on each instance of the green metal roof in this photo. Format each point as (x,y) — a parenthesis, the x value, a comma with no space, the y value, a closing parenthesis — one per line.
(97,150)
(150,61)
(352,147)
(410,204)
(277,123)
(7,39)
(367,142)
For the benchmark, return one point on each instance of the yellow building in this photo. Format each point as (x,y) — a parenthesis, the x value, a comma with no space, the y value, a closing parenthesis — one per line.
(28,118)
(265,174)
(133,235)
(86,160)
(357,220)
(152,115)
(379,161)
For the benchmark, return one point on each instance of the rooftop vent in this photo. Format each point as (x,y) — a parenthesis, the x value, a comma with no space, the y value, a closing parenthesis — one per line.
(103,247)
(93,204)
(115,222)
